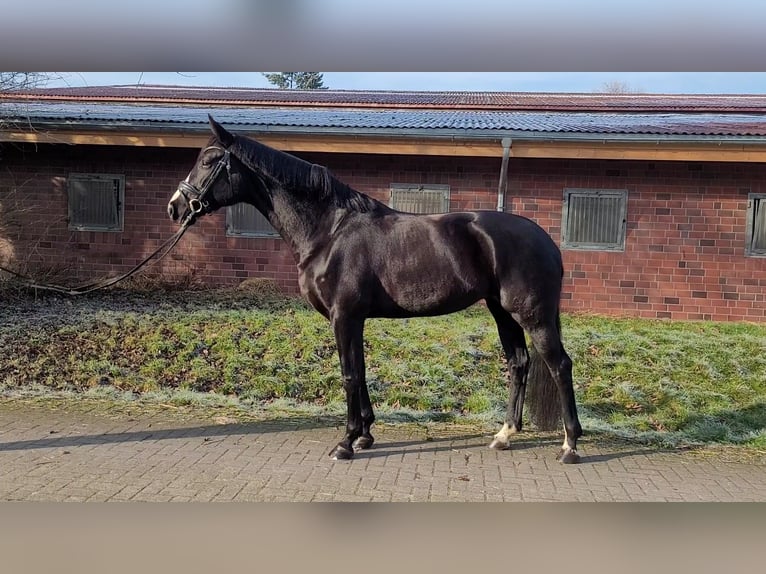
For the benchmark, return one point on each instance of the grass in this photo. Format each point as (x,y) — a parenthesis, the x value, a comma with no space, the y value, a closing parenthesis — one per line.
(672,381)
(659,382)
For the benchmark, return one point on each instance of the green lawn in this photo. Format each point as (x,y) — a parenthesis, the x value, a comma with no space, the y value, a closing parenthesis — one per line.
(654,381)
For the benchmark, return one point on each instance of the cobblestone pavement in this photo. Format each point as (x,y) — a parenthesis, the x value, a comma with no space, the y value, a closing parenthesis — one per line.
(66,451)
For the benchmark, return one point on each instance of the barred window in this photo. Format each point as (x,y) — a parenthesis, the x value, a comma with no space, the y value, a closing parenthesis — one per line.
(95,201)
(415,198)
(755,232)
(594,219)
(244,220)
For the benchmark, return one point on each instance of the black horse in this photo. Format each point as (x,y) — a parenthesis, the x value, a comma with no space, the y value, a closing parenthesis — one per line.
(358,258)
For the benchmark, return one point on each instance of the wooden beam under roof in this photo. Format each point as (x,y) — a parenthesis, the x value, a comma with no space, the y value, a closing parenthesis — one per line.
(656,150)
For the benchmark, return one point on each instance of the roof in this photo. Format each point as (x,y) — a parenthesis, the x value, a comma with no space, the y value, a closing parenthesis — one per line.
(609,126)
(501,101)
(444,122)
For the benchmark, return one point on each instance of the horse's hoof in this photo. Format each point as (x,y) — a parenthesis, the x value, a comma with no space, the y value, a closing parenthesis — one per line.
(568,456)
(341,453)
(363,442)
(498,444)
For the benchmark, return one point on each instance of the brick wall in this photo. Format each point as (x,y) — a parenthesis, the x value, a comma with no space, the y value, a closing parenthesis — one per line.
(684,250)
(684,255)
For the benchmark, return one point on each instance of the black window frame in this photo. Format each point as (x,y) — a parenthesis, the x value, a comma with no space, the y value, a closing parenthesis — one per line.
(621,213)
(262,228)
(755,201)
(75,223)
(437,189)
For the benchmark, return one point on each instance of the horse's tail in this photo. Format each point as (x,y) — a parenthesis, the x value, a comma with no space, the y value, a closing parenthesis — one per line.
(543,399)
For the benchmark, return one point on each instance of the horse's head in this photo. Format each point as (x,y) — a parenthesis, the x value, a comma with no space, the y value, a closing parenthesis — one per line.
(212,183)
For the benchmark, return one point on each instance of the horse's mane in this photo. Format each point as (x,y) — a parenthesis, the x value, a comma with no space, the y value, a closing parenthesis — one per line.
(301,178)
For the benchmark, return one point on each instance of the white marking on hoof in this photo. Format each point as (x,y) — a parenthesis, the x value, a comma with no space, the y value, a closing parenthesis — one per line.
(501,441)
(568,455)
(499,445)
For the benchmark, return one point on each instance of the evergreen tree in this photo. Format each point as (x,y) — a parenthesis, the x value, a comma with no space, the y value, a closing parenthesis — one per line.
(297,80)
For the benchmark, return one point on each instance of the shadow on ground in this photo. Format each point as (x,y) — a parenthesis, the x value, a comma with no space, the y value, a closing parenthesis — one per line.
(389,438)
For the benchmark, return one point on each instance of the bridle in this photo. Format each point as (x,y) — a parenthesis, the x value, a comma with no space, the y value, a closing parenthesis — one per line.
(194,196)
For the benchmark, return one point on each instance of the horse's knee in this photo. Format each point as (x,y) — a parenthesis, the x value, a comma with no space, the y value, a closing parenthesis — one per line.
(350,384)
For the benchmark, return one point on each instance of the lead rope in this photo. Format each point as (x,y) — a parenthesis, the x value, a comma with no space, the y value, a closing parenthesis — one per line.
(168,245)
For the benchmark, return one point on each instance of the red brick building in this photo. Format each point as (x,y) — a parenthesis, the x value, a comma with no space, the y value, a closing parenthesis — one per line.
(658,202)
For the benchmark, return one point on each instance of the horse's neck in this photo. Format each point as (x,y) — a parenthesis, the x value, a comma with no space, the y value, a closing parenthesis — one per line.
(299,222)
(295,215)
(302,215)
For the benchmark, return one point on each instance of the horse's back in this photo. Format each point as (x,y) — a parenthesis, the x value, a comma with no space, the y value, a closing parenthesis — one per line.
(510,225)
(466,256)
(512,239)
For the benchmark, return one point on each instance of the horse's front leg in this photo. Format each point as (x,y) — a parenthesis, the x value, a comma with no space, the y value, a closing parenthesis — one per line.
(348,337)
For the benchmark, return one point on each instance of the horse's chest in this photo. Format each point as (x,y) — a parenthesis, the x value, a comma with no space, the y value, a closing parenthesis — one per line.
(314,288)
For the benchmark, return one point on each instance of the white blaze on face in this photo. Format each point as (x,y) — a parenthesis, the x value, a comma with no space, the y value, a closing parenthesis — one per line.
(176,199)
(176,196)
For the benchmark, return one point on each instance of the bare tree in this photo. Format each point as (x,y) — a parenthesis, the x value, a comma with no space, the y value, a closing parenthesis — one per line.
(11,81)
(14,203)
(618,87)
(19,81)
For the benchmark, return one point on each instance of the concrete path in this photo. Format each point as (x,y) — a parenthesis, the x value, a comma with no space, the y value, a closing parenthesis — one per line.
(62,450)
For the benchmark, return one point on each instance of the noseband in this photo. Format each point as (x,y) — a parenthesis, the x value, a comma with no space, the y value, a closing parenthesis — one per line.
(194,196)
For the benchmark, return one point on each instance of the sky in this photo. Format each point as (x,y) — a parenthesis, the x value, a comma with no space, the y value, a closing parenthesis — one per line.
(646,82)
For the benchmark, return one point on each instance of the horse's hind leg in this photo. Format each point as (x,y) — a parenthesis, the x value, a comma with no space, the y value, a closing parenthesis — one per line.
(368,417)
(515,349)
(547,342)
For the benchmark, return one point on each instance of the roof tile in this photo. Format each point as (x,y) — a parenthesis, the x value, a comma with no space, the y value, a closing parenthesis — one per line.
(414,99)
(400,112)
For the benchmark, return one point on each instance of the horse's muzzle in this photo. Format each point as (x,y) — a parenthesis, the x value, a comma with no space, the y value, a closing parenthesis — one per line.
(177,206)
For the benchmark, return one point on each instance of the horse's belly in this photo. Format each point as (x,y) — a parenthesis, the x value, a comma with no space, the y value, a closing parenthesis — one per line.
(424,290)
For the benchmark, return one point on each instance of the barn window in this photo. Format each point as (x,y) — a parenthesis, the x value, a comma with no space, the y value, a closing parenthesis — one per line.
(244,220)
(756,225)
(594,219)
(415,198)
(95,201)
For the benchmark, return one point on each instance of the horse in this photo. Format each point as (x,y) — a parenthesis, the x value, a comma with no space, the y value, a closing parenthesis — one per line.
(358,258)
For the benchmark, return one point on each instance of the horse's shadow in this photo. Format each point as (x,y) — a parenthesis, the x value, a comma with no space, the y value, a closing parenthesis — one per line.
(205,432)
(462,443)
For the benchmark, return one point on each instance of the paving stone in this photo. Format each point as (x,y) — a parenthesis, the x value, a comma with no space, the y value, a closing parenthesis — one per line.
(94,457)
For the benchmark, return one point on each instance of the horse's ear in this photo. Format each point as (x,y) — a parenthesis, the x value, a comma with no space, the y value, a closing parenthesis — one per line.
(225,137)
